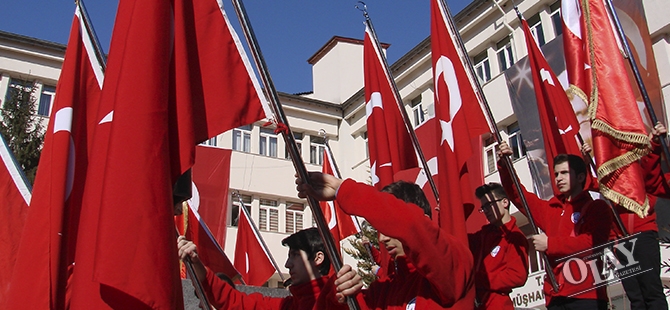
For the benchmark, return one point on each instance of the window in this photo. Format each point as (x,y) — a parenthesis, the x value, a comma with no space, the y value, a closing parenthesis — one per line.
(294,216)
(418,113)
(269,217)
(515,141)
(298,141)
(364,135)
(46,99)
(535,25)
(210,142)
(17,89)
(490,156)
(242,139)
(555,16)
(317,146)
(268,143)
(235,212)
(505,55)
(482,67)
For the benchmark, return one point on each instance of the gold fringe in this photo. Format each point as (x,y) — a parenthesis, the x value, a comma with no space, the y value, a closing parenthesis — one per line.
(617,163)
(640,139)
(622,200)
(575,91)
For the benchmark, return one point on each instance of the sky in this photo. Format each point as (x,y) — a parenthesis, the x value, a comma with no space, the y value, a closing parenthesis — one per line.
(288,31)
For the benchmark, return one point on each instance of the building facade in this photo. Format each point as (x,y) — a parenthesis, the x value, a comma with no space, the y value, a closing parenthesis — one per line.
(261,170)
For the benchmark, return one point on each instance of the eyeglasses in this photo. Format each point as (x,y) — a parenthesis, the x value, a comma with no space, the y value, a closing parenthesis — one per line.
(489,204)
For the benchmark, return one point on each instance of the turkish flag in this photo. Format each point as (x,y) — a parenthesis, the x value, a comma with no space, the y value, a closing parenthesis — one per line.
(341,225)
(619,134)
(176,77)
(16,192)
(557,118)
(461,121)
(48,242)
(211,180)
(390,145)
(249,252)
(210,251)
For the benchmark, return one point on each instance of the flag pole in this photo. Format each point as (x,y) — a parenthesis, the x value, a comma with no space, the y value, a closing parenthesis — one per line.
(199,290)
(507,161)
(401,106)
(258,234)
(331,159)
(636,73)
(587,157)
(99,54)
(283,127)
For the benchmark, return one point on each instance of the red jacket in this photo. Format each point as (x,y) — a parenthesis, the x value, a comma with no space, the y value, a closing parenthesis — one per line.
(436,271)
(501,263)
(304,296)
(571,226)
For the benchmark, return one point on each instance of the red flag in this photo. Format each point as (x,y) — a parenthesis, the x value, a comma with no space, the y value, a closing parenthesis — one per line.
(48,243)
(341,225)
(249,252)
(557,118)
(574,47)
(209,250)
(619,136)
(211,178)
(389,142)
(15,190)
(458,110)
(171,64)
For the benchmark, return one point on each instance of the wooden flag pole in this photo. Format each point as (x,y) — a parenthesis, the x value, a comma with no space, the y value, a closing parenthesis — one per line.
(258,234)
(289,139)
(401,106)
(507,161)
(199,290)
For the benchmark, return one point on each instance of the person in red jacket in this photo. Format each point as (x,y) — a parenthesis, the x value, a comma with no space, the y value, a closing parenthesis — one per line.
(645,289)
(308,266)
(572,222)
(500,251)
(432,268)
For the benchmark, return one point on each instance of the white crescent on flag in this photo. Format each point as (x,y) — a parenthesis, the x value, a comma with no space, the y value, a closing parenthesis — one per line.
(445,68)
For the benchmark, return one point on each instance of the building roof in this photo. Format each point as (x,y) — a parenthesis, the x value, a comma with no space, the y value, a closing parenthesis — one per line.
(331,43)
(13,37)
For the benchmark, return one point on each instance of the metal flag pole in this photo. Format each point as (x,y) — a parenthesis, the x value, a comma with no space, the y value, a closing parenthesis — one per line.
(401,106)
(289,139)
(199,290)
(102,58)
(587,157)
(258,234)
(507,161)
(638,77)
(331,159)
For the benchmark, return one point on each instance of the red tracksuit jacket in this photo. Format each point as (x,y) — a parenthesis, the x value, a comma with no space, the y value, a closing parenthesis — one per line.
(304,296)
(571,226)
(436,272)
(501,263)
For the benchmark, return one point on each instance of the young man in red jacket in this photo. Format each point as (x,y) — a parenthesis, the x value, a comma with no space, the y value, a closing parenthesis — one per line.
(645,289)
(572,222)
(308,266)
(432,269)
(500,251)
